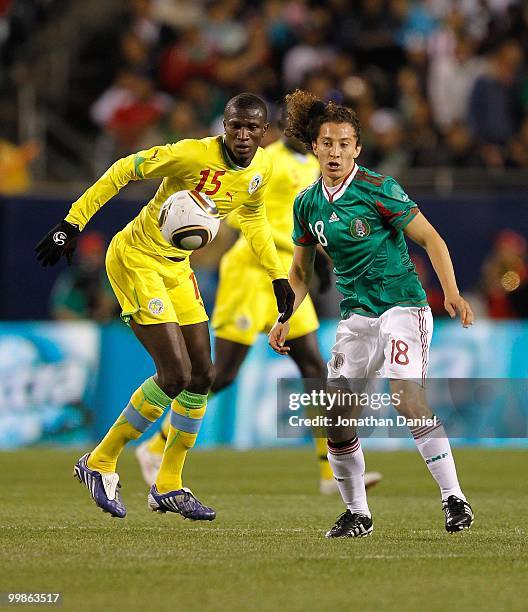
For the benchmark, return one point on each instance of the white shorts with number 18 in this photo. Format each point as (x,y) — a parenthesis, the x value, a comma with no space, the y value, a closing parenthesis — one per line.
(393,345)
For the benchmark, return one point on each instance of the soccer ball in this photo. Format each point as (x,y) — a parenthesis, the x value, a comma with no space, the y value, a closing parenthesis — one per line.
(189,220)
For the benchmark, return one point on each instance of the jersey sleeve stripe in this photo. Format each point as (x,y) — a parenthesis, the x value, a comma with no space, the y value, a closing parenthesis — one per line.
(306,239)
(138,160)
(406,218)
(399,219)
(376,180)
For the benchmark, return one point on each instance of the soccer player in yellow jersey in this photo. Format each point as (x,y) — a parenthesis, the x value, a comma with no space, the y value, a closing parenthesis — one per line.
(159,296)
(244,305)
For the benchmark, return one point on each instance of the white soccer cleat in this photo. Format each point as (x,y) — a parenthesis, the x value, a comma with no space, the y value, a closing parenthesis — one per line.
(149,463)
(372,478)
(328,486)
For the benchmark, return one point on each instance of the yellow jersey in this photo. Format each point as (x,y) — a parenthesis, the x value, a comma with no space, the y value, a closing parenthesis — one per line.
(292,172)
(203,165)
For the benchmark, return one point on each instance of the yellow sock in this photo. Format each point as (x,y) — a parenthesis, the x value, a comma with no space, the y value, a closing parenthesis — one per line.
(324,466)
(146,405)
(186,415)
(156,444)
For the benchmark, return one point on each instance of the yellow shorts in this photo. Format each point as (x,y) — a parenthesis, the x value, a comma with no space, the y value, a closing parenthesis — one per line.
(245,303)
(151,288)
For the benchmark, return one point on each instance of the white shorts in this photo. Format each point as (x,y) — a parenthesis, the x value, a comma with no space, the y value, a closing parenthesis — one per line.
(393,345)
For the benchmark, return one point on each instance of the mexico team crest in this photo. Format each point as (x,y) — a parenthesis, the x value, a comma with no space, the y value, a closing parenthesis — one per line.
(339,360)
(255,183)
(156,306)
(359,228)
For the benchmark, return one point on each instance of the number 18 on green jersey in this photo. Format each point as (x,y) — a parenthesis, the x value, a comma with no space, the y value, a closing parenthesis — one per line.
(360,225)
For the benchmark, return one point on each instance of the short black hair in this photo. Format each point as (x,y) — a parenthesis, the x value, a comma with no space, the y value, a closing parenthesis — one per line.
(247,100)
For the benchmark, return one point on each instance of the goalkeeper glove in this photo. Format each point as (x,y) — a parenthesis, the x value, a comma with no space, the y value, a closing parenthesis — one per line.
(61,240)
(285,298)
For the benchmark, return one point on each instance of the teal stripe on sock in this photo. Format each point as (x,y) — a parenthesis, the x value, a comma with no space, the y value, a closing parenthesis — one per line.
(185,423)
(137,420)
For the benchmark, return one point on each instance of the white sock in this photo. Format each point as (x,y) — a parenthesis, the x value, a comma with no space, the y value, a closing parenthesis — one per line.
(432,443)
(348,466)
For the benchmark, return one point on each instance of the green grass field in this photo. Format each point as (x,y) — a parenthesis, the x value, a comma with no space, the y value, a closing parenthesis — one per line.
(266,549)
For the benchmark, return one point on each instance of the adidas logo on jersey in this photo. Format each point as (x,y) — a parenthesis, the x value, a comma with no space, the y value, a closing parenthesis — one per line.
(333,218)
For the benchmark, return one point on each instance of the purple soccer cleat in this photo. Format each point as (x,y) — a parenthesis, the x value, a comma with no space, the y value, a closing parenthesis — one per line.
(182,502)
(102,487)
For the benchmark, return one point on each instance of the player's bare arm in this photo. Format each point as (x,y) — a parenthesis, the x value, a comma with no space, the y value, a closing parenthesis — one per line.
(424,234)
(300,275)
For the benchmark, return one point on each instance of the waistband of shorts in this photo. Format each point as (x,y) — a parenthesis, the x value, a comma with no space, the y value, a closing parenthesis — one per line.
(371,315)
(123,238)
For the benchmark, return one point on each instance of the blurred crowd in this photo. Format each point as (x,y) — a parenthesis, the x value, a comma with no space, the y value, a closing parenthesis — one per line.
(502,288)
(83,291)
(435,82)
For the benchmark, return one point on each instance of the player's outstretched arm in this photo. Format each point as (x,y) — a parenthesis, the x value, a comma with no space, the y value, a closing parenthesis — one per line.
(424,234)
(301,273)
(154,163)
(157,162)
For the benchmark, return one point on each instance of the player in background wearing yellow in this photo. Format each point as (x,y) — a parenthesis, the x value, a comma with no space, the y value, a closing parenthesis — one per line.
(245,308)
(159,295)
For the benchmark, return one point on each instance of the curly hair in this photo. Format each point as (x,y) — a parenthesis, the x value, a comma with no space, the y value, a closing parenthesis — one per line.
(306,114)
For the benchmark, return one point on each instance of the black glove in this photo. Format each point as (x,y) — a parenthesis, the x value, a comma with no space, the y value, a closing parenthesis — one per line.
(62,240)
(322,269)
(285,298)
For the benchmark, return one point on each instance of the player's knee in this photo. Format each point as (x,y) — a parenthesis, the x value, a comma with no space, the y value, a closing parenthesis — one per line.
(174,381)
(341,439)
(202,378)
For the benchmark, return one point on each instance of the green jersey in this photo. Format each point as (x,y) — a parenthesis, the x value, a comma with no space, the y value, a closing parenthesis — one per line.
(359,224)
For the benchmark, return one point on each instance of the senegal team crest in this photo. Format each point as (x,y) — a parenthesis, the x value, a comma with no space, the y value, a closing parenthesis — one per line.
(243,323)
(255,183)
(359,228)
(156,306)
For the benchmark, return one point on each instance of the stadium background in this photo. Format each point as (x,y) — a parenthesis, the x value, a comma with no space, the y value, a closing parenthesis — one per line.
(442,92)
(441,87)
